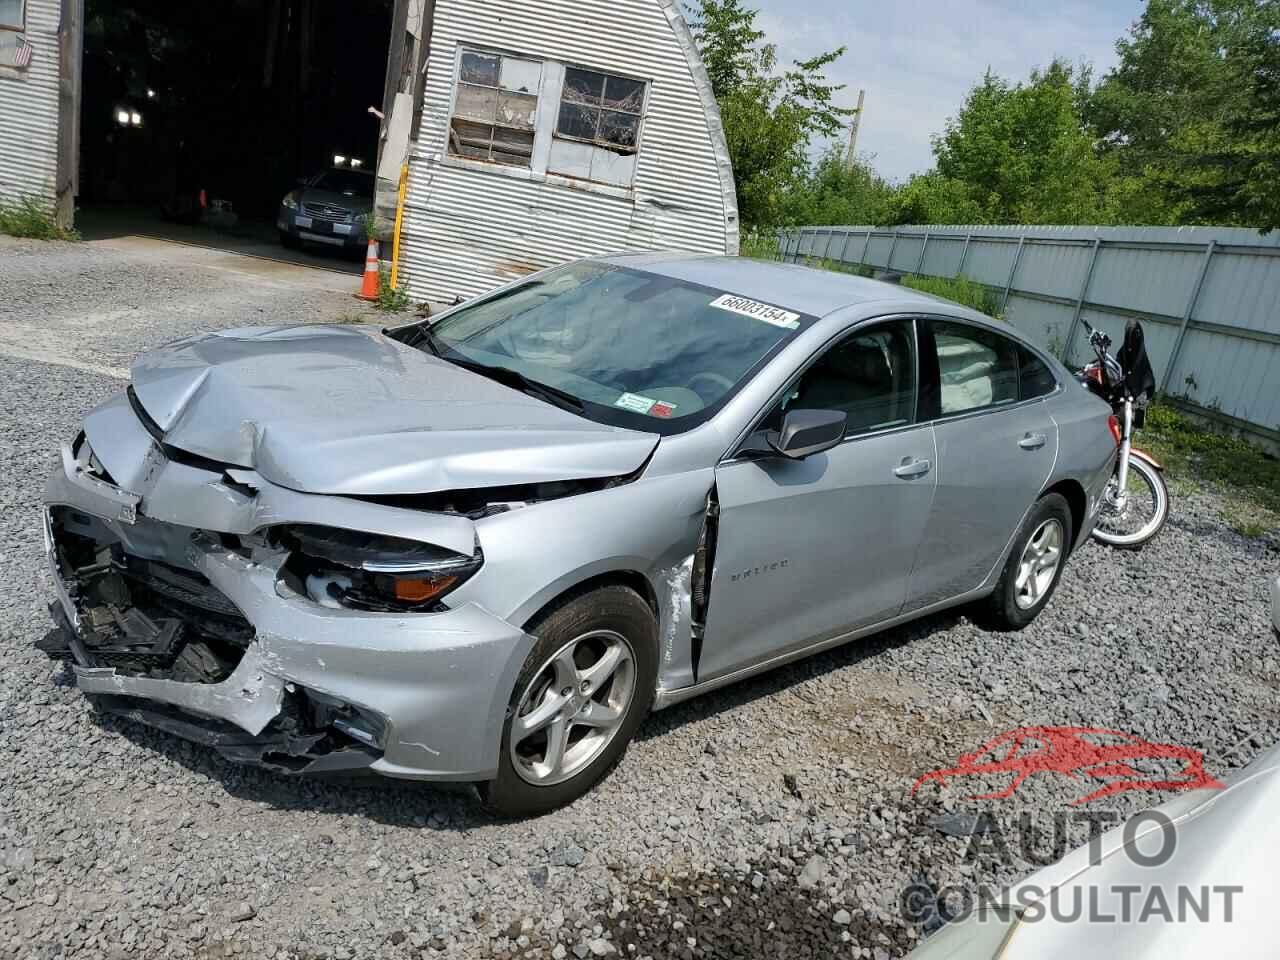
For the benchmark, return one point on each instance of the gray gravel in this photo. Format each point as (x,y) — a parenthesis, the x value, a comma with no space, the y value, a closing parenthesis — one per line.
(771,819)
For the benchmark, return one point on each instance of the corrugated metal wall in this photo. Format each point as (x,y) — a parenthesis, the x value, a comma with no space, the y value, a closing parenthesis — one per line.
(1208,297)
(29,112)
(468,229)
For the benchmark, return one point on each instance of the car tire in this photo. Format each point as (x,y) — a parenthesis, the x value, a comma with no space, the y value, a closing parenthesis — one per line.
(593,722)
(289,241)
(1029,578)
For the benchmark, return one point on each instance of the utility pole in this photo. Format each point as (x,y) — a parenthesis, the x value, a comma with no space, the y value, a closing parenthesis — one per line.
(853,131)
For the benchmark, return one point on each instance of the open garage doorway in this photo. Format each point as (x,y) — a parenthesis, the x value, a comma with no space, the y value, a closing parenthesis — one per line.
(199,119)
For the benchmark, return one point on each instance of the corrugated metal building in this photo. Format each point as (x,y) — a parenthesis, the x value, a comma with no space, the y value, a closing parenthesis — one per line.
(29,102)
(551,131)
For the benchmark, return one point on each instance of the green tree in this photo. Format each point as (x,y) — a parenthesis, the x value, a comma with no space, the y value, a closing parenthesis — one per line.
(1022,153)
(1193,107)
(770,116)
(833,192)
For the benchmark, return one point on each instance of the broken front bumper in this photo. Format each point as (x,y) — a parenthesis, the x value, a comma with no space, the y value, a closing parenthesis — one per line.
(435,685)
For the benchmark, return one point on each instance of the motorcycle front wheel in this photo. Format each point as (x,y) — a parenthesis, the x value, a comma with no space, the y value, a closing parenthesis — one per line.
(1131,522)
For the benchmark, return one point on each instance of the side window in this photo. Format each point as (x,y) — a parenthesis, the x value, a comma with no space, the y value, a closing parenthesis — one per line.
(870,375)
(1034,376)
(598,127)
(495,108)
(976,367)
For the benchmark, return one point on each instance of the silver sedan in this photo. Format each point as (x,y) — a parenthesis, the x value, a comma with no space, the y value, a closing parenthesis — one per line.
(485,548)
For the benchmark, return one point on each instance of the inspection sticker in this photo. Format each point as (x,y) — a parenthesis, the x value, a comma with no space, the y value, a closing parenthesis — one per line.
(759,311)
(663,409)
(634,402)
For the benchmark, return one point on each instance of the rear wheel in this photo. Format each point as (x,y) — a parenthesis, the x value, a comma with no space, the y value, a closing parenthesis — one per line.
(584,689)
(1130,521)
(1035,564)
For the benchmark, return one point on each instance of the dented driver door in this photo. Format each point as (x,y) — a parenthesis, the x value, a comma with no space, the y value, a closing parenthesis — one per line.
(808,549)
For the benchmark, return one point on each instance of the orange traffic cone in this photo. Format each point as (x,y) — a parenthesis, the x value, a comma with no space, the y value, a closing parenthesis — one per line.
(369,289)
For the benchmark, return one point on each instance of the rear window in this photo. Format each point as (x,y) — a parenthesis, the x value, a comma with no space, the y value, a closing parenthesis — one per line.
(1035,377)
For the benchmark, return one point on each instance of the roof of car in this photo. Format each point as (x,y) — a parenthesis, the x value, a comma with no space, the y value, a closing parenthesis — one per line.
(795,287)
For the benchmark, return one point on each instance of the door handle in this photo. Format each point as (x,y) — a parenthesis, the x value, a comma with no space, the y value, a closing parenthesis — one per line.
(912,468)
(1032,441)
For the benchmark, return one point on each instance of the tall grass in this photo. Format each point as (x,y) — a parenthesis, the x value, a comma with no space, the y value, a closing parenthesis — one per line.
(961,290)
(28,217)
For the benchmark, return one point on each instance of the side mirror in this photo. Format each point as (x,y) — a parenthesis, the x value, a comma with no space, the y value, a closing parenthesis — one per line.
(301,181)
(806,432)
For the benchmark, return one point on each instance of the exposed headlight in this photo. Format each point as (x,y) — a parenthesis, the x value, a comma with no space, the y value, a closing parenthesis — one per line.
(290,200)
(367,571)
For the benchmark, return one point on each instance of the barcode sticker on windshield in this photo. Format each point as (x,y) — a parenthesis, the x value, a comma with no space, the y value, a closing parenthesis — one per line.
(758,311)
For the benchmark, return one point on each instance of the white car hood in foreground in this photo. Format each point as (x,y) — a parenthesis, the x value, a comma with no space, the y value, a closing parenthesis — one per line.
(347,410)
(1225,838)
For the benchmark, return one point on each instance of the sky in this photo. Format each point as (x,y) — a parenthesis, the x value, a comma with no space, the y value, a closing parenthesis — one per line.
(918,58)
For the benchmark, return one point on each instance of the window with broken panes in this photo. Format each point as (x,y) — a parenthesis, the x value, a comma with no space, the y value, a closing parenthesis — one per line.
(495,108)
(598,127)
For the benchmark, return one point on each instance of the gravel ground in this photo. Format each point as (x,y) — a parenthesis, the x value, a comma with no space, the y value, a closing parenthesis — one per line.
(774,818)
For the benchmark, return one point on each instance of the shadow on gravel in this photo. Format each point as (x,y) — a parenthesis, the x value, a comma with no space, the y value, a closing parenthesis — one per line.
(727,915)
(773,682)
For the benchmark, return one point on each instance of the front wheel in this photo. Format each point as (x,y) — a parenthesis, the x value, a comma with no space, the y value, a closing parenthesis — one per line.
(1130,521)
(585,688)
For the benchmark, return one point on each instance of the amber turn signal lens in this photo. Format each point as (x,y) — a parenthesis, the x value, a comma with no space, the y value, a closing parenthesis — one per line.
(1113,424)
(416,590)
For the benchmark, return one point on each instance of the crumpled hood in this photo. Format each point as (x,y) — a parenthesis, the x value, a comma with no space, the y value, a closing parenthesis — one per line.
(347,410)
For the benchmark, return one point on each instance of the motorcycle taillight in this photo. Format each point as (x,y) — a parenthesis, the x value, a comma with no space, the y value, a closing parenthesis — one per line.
(1094,373)
(1113,424)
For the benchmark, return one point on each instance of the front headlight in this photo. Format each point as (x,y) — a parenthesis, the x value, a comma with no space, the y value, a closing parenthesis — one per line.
(290,201)
(367,571)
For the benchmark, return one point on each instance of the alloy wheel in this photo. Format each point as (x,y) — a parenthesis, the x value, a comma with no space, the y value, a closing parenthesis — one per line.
(1039,564)
(572,708)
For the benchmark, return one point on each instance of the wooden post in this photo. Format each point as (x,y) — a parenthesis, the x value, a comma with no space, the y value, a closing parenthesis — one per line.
(70,72)
(853,131)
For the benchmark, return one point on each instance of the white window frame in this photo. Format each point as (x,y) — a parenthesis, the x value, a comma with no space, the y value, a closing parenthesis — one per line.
(21,26)
(545,123)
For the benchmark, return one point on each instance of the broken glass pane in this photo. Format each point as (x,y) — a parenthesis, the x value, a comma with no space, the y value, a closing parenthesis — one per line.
(476,103)
(622,129)
(481,68)
(521,75)
(577,120)
(623,94)
(582,86)
(513,147)
(517,110)
(469,139)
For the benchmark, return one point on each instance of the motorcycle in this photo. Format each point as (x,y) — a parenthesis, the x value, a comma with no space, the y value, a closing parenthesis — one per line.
(1135,504)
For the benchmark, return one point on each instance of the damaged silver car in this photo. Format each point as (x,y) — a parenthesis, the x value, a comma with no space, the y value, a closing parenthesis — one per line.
(483,549)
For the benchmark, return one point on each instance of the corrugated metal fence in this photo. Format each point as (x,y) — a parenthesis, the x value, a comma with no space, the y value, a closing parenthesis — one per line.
(1208,297)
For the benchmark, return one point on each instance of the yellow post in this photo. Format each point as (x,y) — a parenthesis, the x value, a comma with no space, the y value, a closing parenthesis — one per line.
(395,240)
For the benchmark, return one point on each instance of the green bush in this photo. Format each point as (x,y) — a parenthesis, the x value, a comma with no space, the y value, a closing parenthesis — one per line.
(390,299)
(27,217)
(962,290)
(761,246)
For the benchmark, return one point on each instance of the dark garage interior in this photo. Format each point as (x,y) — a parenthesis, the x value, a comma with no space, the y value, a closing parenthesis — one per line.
(235,98)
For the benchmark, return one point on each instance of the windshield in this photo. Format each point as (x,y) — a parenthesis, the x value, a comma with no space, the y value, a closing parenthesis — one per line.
(345,181)
(637,349)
